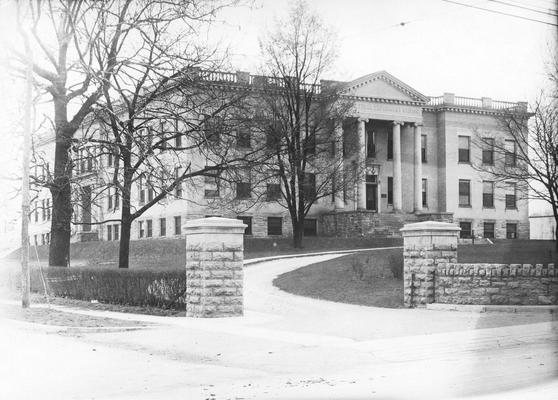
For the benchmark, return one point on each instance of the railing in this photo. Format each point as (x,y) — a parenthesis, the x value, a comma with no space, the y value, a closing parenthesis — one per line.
(218,76)
(471,102)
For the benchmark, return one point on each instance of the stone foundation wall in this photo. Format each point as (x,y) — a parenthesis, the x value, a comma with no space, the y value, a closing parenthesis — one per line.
(517,284)
(362,223)
(440,217)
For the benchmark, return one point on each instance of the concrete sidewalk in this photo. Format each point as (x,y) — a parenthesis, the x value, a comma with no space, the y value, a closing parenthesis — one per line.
(288,346)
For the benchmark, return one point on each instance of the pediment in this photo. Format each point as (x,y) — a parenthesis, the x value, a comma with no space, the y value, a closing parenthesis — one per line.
(385,86)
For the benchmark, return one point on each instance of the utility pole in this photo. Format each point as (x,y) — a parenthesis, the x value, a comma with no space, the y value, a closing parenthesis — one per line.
(25,279)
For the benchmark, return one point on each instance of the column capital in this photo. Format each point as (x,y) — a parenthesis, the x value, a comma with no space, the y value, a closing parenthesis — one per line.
(398,123)
(363,119)
(417,124)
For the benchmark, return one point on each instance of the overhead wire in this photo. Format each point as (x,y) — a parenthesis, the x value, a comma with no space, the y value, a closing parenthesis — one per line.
(501,13)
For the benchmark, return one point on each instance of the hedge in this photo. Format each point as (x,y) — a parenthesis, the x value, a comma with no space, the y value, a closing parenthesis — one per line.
(164,288)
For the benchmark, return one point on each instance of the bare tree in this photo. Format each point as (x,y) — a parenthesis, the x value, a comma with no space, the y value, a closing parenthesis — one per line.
(163,118)
(528,156)
(62,32)
(81,44)
(301,112)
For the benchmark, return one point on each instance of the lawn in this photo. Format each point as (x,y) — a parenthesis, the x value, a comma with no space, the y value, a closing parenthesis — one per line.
(369,278)
(509,252)
(171,253)
(364,278)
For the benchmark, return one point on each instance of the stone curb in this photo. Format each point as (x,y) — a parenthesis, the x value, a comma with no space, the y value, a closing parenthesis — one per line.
(492,308)
(253,261)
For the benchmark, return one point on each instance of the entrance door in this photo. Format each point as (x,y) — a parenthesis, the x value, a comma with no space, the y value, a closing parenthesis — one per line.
(371,192)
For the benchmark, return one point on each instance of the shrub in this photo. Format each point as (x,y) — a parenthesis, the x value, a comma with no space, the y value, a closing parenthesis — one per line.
(358,267)
(164,288)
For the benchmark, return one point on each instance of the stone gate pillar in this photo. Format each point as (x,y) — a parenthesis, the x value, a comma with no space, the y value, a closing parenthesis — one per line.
(214,260)
(425,244)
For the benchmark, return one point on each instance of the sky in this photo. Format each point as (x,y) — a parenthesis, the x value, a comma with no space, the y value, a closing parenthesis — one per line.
(434,46)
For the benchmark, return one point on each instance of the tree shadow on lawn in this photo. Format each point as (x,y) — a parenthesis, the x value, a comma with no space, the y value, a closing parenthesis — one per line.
(369,278)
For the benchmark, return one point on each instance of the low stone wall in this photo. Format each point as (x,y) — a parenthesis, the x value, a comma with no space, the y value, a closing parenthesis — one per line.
(432,273)
(488,284)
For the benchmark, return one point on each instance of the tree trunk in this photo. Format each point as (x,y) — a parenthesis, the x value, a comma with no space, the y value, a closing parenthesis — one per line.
(124,249)
(60,190)
(298,234)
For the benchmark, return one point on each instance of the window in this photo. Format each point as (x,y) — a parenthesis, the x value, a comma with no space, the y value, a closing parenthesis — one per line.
(141,190)
(243,137)
(109,232)
(211,186)
(141,231)
(510,196)
(390,145)
(488,194)
(36,212)
(43,209)
(370,144)
(212,128)
(243,187)
(309,186)
(150,190)
(489,230)
(248,222)
(464,193)
(310,227)
(243,190)
(273,134)
(465,230)
(423,148)
(390,190)
(511,231)
(177,225)
(488,151)
(310,143)
(149,224)
(109,206)
(116,199)
(48,209)
(273,192)
(178,187)
(274,225)
(464,149)
(110,159)
(163,227)
(116,233)
(510,158)
(163,135)
(424,193)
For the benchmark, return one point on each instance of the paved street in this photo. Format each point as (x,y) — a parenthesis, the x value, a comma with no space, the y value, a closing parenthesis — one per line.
(287,347)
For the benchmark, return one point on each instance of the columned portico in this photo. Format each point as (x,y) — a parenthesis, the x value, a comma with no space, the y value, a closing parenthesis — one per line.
(361,165)
(339,200)
(418,168)
(397,192)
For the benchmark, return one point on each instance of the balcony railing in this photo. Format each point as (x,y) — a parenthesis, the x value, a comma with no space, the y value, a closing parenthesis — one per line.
(470,102)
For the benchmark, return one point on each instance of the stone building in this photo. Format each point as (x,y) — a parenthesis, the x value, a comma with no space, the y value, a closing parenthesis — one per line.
(419,154)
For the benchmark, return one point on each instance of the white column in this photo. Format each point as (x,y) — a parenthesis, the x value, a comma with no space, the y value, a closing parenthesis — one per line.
(418,168)
(339,160)
(397,197)
(361,166)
